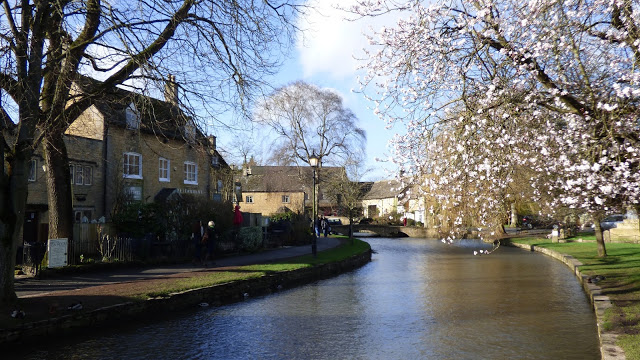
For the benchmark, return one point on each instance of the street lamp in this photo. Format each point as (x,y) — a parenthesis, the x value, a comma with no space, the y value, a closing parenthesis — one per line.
(313,161)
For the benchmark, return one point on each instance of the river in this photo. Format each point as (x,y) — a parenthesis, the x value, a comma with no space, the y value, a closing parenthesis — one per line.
(417,299)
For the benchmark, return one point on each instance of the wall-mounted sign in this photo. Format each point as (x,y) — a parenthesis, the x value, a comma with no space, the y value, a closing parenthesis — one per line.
(57,249)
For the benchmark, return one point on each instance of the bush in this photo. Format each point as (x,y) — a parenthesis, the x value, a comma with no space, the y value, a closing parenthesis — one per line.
(250,238)
(172,220)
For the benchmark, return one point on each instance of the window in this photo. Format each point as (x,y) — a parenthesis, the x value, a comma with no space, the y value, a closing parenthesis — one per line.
(133,117)
(190,173)
(285,199)
(190,130)
(88,175)
(79,178)
(219,189)
(249,199)
(163,169)
(82,216)
(80,175)
(33,169)
(132,166)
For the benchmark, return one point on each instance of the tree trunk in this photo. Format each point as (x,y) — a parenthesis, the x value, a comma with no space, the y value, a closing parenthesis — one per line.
(13,198)
(602,251)
(7,262)
(514,215)
(58,188)
(351,229)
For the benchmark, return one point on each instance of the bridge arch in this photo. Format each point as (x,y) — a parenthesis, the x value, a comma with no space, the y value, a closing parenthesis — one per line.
(379,230)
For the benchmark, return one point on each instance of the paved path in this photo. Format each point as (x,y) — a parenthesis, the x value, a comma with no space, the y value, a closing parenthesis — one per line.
(29,286)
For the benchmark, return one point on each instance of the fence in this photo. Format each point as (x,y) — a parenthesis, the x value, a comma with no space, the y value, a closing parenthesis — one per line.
(99,242)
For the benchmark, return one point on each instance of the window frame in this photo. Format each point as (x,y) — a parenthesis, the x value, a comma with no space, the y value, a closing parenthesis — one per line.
(161,169)
(33,170)
(87,175)
(249,199)
(79,175)
(187,179)
(286,199)
(132,117)
(126,165)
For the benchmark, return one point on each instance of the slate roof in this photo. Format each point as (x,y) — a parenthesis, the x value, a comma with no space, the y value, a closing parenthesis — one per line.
(387,189)
(158,117)
(282,178)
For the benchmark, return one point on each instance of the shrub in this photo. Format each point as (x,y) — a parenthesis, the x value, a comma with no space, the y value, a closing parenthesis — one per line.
(250,238)
(173,219)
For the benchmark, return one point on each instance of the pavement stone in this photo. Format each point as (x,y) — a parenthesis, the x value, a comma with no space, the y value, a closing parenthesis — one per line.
(33,287)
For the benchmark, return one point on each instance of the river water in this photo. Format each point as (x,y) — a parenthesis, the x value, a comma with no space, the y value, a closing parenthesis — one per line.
(417,299)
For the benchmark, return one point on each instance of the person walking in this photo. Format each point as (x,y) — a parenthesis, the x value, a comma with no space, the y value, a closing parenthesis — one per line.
(325,226)
(197,232)
(316,226)
(210,245)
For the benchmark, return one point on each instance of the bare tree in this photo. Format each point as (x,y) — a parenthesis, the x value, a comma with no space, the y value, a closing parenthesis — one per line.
(348,193)
(310,120)
(219,52)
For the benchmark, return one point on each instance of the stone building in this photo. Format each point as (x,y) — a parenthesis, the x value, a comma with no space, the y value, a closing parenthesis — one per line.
(275,189)
(388,196)
(131,146)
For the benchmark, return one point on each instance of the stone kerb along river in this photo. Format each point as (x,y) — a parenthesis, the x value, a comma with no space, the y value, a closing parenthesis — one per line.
(417,299)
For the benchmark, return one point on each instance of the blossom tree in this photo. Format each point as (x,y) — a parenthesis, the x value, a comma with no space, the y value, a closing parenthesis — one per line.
(551,85)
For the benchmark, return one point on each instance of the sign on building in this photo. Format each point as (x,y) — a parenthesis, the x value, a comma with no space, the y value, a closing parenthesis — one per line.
(57,249)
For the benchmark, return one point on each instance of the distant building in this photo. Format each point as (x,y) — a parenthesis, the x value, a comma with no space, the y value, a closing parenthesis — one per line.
(388,196)
(127,145)
(275,189)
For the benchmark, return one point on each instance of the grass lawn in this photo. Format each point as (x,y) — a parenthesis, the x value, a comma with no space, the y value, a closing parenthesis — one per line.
(52,305)
(621,268)
(252,271)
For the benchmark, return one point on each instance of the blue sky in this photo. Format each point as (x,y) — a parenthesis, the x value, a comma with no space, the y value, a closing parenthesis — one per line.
(326,56)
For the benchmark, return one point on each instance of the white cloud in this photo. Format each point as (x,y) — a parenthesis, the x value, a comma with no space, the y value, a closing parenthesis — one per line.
(332,44)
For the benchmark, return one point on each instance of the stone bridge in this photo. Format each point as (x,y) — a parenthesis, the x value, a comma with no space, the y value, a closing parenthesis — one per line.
(385,230)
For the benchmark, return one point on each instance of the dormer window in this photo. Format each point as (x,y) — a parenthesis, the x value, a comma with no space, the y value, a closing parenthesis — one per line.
(133,117)
(190,130)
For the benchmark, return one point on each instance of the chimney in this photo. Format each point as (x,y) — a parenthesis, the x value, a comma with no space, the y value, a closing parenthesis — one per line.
(171,90)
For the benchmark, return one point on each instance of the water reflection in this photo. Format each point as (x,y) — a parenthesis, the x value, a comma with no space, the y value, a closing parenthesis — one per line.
(418,299)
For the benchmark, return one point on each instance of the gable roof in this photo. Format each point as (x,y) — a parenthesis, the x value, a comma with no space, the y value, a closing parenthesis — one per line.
(282,178)
(385,189)
(157,117)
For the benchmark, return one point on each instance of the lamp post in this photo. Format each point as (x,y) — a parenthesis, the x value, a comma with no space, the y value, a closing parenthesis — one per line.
(313,161)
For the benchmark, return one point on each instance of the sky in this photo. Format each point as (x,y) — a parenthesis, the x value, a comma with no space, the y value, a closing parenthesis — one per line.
(326,55)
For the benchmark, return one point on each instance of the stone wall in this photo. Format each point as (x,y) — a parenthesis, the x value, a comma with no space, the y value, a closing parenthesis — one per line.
(268,203)
(151,148)
(627,231)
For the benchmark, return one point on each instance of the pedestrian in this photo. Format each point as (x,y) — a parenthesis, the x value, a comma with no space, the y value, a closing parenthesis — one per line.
(325,226)
(197,232)
(210,245)
(316,226)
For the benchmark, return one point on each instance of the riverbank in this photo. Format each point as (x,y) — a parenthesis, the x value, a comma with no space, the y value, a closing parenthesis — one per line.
(612,283)
(53,314)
